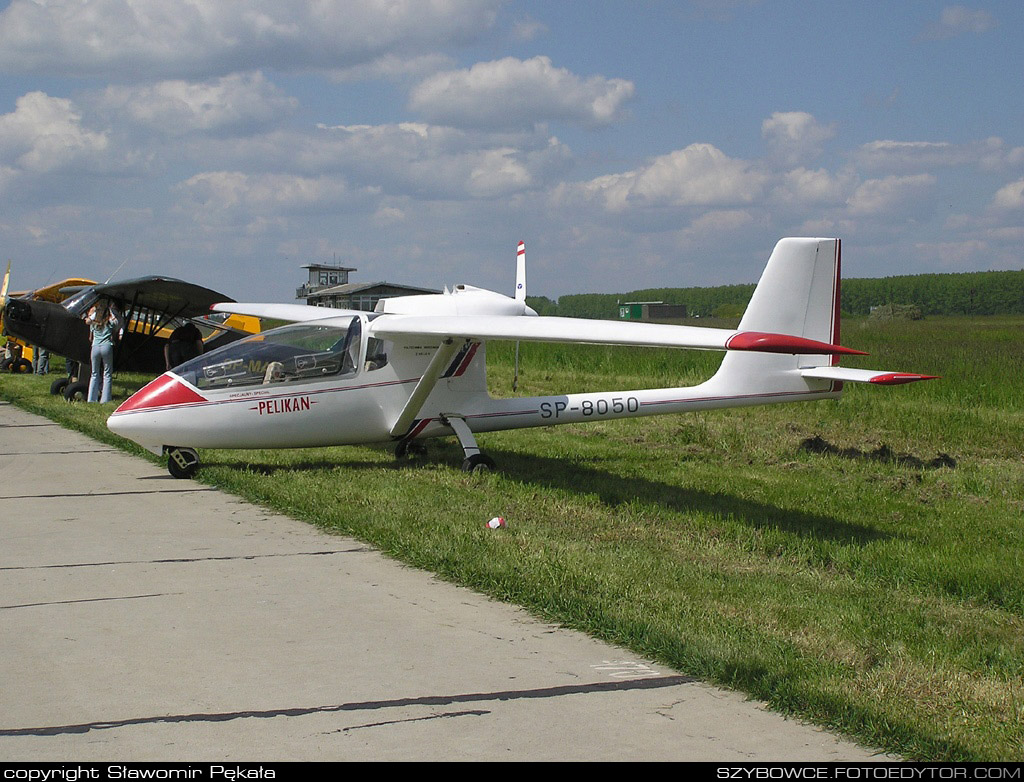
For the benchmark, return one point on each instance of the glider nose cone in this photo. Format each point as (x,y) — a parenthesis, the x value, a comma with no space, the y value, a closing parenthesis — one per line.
(130,420)
(166,391)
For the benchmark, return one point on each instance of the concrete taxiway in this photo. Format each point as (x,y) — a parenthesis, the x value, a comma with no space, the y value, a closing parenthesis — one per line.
(148,618)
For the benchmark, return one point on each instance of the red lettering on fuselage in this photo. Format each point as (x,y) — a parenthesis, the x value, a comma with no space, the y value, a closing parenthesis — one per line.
(293,404)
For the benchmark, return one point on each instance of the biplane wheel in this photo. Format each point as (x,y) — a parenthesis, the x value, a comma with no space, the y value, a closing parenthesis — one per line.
(479,462)
(58,385)
(77,391)
(182,462)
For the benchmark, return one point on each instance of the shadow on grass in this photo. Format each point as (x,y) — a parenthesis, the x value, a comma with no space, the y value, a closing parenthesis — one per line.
(612,489)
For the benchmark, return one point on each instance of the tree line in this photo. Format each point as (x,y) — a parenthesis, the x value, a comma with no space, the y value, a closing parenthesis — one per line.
(967,293)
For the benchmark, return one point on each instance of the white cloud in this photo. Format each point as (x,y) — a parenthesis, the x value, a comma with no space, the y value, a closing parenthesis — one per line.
(1011,234)
(910,155)
(795,137)
(45,134)
(527,29)
(199,38)
(892,195)
(971,252)
(239,103)
(513,93)
(413,160)
(803,188)
(699,175)
(1010,196)
(216,197)
(713,225)
(958,20)
(426,162)
(393,68)
(996,156)
(991,154)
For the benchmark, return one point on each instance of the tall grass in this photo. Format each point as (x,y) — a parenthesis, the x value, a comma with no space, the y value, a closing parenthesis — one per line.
(880,599)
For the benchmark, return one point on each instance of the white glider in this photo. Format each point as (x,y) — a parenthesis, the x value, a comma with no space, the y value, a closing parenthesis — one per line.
(416,369)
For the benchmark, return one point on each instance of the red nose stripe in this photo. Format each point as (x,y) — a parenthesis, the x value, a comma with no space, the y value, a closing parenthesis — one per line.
(165,391)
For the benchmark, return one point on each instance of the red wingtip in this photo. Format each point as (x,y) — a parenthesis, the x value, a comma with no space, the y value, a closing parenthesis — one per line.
(763,342)
(899,378)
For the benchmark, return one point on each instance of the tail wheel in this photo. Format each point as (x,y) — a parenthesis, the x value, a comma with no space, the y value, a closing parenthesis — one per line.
(182,462)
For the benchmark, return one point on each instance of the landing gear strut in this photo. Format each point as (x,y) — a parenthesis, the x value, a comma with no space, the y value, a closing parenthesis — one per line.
(475,461)
(181,462)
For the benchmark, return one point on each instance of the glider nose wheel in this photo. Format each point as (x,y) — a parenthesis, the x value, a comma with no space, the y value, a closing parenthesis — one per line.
(182,462)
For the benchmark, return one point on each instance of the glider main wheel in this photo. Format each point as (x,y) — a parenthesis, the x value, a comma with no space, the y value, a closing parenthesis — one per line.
(58,385)
(479,462)
(182,462)
(409,448)
(77,391)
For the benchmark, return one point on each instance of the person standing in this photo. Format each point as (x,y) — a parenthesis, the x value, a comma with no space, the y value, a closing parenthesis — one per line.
(103,327)
(185,343)
(12,352)
(41,359)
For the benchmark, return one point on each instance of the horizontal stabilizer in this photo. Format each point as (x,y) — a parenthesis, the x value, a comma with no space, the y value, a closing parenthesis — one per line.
(875,376)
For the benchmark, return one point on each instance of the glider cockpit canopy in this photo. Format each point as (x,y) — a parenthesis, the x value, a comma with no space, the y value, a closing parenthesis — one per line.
(299,352)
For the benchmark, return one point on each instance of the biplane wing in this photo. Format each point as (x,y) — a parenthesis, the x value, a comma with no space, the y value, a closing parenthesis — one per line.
(166,295)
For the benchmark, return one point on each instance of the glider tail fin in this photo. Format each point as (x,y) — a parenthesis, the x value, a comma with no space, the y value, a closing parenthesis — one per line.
(798,294)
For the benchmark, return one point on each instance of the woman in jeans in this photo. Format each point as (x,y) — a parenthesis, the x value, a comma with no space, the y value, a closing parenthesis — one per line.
(102,329)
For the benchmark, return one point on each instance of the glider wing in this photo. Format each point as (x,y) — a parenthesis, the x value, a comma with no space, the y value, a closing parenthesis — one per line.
(597,332)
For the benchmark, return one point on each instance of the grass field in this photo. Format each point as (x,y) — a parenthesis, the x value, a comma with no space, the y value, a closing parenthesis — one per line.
(863,588)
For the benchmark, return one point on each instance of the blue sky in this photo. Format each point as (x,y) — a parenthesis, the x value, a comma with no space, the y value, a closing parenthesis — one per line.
(630,144)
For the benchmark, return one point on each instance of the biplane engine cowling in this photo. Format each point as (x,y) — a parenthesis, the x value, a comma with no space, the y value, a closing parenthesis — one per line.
(464,300)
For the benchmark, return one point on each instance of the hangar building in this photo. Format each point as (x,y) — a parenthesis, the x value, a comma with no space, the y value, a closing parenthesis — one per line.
(328,286)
